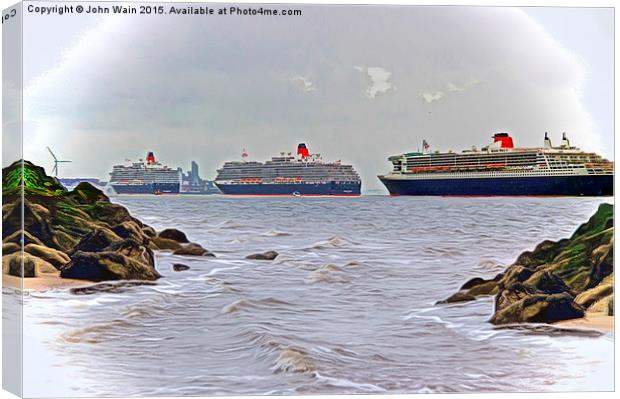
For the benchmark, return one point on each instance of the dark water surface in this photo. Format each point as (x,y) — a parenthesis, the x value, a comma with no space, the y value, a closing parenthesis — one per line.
(350,300)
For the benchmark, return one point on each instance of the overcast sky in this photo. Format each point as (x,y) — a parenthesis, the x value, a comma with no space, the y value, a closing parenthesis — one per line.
(354,83)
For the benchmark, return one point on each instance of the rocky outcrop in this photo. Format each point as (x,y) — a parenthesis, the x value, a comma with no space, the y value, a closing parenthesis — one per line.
(179,267)
(269,255)
(557,280)
(174,234)
(192,249)
(75,234)
(177,242)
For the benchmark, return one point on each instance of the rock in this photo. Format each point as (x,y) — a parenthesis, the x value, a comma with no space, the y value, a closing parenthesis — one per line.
(539,308)
(515,274)
(165,244)
(174,234)
(269,255)
(10,247)
(557,280)
(34,182)
(86,193)
(461,296)
(178,267)
(81,231)
(542,254)
(35,221)
(116,288)
(129,229)
(98,240)
(472,283)
(107,265)
(51,255)
(192,249)
(32,266)
(149,231)
(515,293)
(132,249)
(601,306)
(487,288)
(547,283)
(16,238)
(589,297)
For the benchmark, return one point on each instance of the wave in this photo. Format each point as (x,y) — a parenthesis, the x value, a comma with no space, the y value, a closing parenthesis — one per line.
(344,383)
(490,265)
(328,273)
(216,270)
(443,251)
(220,284)
(294,360)
(275,233)
(95,333)
(247,304)
(331,243)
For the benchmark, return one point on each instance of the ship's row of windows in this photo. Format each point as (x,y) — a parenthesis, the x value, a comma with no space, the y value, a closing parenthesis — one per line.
(492,174)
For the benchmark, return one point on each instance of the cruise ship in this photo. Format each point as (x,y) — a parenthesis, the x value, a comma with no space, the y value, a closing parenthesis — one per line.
(145,177)
(300,175)
(500,169)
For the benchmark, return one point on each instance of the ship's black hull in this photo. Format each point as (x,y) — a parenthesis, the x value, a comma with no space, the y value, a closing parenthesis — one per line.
(588,185)
(332,188)
(154,188)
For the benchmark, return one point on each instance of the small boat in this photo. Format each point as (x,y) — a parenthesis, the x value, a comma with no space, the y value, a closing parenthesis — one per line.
(296,194)
(157,192)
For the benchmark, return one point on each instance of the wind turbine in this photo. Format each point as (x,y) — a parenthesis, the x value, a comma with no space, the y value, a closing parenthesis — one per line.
(56,162)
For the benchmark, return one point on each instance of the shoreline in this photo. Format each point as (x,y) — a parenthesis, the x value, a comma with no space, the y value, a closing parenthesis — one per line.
(598,321)
(44,283)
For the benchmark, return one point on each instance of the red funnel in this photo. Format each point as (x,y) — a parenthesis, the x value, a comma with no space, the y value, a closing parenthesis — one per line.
(504,138)
(303,150)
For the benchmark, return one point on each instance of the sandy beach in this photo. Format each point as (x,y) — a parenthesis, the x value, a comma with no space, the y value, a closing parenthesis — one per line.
(592,321)
(48,282)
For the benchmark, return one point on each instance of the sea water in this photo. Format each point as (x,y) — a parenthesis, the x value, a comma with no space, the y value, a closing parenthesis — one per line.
(349,305)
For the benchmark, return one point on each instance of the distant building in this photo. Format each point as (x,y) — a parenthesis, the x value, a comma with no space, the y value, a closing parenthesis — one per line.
(191,182)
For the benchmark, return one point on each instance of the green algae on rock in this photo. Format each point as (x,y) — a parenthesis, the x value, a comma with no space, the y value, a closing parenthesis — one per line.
(557,280)
(76,234)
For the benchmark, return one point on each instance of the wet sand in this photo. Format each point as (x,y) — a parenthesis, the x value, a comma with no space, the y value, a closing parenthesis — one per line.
(44,283)
(592,321)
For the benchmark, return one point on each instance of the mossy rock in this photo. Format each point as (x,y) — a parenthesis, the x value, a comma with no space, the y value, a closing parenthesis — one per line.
(32,179)
(107,265)
(165,244)
(602,219)
(192,249)
(539,308)
(86,193)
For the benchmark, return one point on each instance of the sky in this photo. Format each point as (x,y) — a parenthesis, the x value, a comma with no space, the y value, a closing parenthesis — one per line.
(356,83)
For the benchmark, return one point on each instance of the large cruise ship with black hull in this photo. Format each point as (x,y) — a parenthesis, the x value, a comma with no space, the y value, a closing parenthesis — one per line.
(500,169)
(145,177)
(302,175)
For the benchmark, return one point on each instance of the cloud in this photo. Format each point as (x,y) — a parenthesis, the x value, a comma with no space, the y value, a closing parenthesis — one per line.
(379,80)
(430,97)
(454,88)
(127,85)
(307,84)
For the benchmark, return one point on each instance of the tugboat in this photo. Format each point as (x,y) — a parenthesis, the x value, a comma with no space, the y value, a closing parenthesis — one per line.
(500,169)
